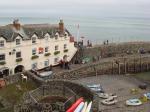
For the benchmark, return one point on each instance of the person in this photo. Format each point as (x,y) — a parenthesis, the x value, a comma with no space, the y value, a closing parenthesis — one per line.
(107,42)
(61,63)
(67,65)
(50,67)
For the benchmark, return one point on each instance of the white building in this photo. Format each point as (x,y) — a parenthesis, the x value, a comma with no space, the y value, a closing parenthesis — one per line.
(23,47)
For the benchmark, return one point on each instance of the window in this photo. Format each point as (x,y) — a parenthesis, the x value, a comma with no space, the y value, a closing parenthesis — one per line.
(18,54)
(2,57)
(66,34)
(46,38)
(56,60)
(46,63)
(65,46)
(33,40)
(2,43)
(34,51)
(46,49)
(56,36)
(34,65)
(56,48)
(18,41)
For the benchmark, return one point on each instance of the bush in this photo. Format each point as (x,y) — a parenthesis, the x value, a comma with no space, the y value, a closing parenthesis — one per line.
(56,52)
(34,57)
(2,63)
(19,60)
(47,54)
(66,50)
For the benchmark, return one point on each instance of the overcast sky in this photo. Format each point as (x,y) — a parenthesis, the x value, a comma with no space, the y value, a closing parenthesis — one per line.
(74,7)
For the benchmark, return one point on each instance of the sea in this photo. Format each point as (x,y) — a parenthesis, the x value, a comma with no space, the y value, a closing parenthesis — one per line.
(97,30)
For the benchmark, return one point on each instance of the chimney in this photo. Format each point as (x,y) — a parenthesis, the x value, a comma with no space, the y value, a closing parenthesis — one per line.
(16,24)
(61,26)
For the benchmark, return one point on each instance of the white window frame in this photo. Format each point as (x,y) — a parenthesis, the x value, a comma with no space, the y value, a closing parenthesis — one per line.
(34,40)
(56,47)
(65,46)
(18,42)
(46,63)
(20,54)
(4,57)
(2,43)
(34,51)
(46,49)
(56,60)
(34,65)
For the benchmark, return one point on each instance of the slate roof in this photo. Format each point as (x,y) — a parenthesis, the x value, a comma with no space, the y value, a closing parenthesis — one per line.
(26,31)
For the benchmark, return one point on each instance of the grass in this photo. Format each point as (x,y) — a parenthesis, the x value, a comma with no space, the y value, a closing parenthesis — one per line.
(12,94)
(143,76)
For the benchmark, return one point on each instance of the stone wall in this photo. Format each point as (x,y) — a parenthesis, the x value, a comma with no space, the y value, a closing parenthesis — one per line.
(62,88)
(115,65)
(116,49)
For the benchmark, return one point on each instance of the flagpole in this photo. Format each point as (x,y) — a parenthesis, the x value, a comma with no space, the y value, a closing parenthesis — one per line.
(77,33)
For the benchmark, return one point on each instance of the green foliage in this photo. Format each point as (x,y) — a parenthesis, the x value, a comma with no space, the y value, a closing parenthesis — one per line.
(18,59)
(2,63)
(34,57)
(56,52)
(66,50)
(47,54)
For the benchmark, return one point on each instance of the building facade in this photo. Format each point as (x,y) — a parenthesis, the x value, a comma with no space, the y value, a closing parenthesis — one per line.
(30,46)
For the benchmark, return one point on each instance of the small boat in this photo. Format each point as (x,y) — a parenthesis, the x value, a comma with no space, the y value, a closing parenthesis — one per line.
(80,107)
(84,108)
(103,95)
(147,95)
(89,107)
(109,101)
(93,85)
(74,106)
(133,102)
(96,88)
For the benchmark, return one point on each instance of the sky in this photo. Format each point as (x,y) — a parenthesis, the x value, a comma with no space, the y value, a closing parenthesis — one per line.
(44,8)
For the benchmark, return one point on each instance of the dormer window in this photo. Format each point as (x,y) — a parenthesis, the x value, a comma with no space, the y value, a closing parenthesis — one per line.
(18,41)
(56,36)
(66,34)
(1,43)
(33,40)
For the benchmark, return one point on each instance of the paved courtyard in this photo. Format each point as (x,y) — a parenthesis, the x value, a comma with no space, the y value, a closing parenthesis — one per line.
(121,85)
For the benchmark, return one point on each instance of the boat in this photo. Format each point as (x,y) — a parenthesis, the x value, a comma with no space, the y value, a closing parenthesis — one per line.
(106,95)
(96,88)
(89,107)
(93,85)
(133,102)
(80,107)
(84,108)
(147,95)
(109,101)
(75,105)
(103,95)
